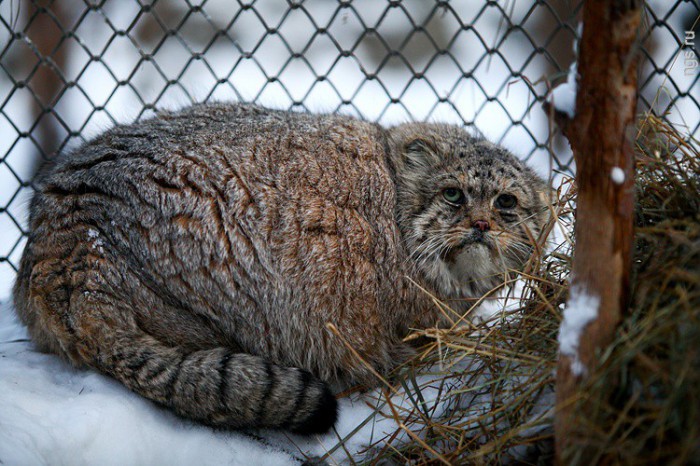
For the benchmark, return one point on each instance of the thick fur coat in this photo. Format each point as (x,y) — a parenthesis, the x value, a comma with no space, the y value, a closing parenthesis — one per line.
(198,256)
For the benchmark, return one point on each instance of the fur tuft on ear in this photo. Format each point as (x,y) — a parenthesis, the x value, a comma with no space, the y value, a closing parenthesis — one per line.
(413,146)
(417,145)
(418,152)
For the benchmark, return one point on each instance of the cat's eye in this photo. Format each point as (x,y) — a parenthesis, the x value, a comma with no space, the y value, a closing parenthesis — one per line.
(453,195)
(506,201)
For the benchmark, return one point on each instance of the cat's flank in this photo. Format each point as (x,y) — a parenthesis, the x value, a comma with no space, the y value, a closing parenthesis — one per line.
(198,256)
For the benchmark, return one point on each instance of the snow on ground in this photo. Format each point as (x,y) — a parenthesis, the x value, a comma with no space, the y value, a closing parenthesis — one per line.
(52,413)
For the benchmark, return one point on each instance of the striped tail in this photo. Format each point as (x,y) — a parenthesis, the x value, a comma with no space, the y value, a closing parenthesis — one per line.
(220,387)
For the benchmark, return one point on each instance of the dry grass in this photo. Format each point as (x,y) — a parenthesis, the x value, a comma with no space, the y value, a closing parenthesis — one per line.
(495,380)
(651,415)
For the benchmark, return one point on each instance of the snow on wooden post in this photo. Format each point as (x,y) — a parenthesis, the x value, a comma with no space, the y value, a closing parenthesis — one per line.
(599,129)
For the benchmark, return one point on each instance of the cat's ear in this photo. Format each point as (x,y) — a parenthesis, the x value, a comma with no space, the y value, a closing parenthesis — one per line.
(419,152)
(417,145)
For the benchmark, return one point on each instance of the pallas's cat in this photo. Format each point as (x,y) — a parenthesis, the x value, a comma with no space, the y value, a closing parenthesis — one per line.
(198,256)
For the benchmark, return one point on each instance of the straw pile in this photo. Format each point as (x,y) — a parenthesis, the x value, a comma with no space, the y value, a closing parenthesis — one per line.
(651,414)
(495,379)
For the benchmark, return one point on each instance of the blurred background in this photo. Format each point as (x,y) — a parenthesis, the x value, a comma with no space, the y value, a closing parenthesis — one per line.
(70,69)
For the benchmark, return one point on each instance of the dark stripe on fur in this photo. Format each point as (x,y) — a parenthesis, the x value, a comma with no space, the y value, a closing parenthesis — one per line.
(223,380)
(85,165)
(306,378)
(169,385)
(270,382)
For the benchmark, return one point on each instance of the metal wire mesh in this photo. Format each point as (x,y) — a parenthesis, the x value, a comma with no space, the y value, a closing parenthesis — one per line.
(70,68)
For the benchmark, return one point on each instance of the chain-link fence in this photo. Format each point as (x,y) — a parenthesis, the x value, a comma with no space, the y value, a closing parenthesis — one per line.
(70,68)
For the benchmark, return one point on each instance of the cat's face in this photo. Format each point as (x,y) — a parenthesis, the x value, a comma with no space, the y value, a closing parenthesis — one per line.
(469,211)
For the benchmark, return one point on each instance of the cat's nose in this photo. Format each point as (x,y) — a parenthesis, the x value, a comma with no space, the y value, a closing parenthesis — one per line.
(482,225)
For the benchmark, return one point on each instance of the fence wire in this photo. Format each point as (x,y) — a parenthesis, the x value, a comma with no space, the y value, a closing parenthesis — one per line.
(70,68)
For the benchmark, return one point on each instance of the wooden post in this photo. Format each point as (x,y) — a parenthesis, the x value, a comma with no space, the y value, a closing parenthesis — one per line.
(600,134)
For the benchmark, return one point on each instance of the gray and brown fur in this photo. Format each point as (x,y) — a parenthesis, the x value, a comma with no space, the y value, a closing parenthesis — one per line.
(198,256)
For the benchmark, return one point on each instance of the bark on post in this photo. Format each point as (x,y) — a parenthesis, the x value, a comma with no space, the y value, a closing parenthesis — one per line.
(600,136)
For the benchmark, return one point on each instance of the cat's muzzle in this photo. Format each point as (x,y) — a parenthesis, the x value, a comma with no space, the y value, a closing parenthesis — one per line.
(477,237)
(474,240)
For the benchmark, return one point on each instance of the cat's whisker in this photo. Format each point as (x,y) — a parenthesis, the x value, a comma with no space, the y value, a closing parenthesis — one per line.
(519,250)
(531,216)
(424,248)
(515,243)
(502,258)
(434,249)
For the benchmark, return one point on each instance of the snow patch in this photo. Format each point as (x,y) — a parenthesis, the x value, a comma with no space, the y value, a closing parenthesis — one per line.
(97,242)
(563,97)
(52,413)
(617,175)
(581,310)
